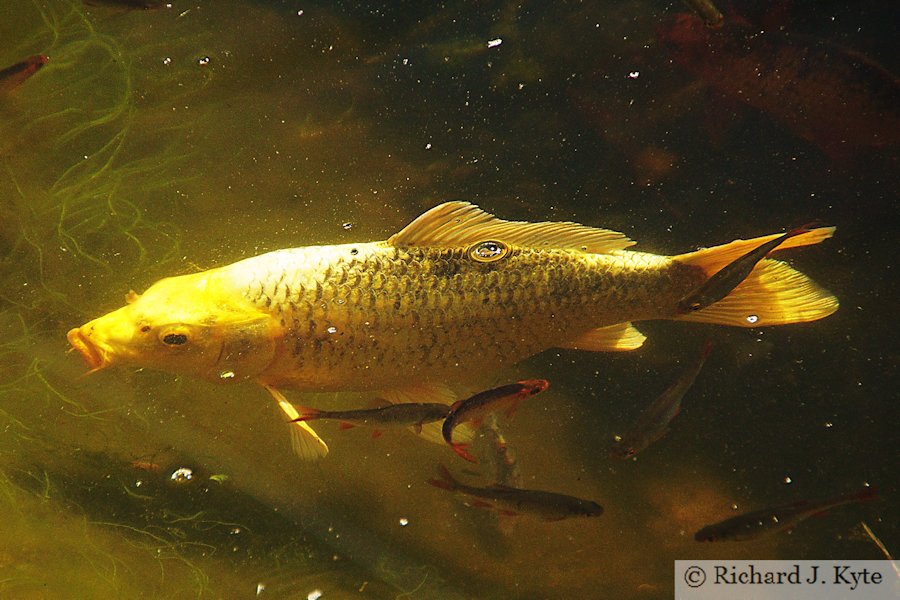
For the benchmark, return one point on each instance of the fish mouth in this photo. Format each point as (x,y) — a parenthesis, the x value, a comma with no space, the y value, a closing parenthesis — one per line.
(94,357)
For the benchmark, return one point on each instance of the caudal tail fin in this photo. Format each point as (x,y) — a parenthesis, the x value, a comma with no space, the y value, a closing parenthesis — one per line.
(773,294)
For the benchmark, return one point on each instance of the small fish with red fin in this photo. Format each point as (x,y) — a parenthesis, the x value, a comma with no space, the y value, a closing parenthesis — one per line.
(475,408)
(413,414)
(12,77)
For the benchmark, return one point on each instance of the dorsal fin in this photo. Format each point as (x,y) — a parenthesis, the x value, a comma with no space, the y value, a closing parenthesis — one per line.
(456,224)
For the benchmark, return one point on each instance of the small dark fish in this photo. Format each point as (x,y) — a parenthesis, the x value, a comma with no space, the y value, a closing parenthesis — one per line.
(473,409)
(12,77)
(408,413)
(707,11)
(512,501)
(723,281)
(752,525)
(654,421)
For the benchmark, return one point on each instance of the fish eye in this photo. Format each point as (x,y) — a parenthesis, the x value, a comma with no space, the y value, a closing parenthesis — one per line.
(488,251)
(174,338)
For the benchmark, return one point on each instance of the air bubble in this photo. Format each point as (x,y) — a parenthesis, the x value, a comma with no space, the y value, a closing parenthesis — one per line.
(752,319)
(181,475)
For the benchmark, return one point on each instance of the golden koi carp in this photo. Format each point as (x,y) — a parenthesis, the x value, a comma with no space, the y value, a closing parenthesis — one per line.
(455,292)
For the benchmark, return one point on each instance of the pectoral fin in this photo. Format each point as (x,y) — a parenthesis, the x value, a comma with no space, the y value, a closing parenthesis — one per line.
(304,440)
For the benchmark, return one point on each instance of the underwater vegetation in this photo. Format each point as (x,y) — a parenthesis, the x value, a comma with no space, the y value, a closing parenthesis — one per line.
(84,178)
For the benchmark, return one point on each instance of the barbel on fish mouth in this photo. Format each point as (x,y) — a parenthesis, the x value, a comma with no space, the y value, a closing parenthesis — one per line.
(456,292)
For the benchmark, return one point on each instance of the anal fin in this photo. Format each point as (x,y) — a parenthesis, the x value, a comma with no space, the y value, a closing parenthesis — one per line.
(612,338)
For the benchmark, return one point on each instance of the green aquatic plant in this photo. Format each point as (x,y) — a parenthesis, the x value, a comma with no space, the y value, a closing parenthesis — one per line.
(98,558)
(89,170)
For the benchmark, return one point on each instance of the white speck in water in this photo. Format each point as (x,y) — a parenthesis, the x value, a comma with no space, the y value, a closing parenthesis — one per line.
(734,507)
(829,424)
(314,595)
(340,300)
(494,42)
(404,522)
(428,146)
(203,61)
(634,74)
(752,318)
(332,329)
(181,475)
(167,61)
(347,225)
(787,479)
(299,13)
(234,530)
(260,587)
(226,375)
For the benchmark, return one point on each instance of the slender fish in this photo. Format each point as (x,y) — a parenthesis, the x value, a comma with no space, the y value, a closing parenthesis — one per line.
(724,281)
(515,501)
(12,76)
(455,293)
(413,414)
(475,408)
(751,525)
(654,421)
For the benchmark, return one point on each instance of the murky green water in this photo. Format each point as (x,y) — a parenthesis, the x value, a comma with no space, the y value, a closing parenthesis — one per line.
(165,141)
